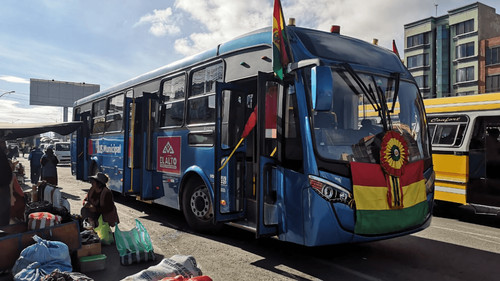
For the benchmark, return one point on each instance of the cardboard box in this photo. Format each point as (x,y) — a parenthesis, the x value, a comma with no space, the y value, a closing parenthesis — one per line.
(92,263)
(89,250)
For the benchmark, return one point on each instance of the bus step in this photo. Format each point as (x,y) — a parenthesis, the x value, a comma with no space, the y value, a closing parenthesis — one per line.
(245,225)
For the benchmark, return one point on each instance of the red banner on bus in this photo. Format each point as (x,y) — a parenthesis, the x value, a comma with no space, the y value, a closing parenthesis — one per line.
(169,155)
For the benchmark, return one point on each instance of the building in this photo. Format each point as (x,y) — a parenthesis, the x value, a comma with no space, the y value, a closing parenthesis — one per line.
(457,53)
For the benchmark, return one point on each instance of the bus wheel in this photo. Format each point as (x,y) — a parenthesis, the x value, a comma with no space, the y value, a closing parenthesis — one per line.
(197,207)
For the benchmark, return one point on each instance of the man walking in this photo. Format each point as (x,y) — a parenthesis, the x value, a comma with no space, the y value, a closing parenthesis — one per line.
(35,164)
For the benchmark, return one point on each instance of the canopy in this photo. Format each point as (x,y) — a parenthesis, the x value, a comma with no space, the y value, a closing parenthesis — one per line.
(10,131)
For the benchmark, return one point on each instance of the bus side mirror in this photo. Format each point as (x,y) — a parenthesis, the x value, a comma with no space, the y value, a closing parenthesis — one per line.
(322,88)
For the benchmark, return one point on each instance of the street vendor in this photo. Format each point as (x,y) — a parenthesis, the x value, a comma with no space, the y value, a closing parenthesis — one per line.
(99,201)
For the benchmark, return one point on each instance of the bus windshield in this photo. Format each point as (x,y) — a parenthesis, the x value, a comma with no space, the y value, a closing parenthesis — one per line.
(364,106)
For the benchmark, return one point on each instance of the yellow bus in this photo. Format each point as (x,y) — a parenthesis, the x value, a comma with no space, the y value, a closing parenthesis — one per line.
(464,132)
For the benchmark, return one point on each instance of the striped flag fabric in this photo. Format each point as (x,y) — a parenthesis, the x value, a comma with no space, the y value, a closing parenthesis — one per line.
(385,203)
(280,56)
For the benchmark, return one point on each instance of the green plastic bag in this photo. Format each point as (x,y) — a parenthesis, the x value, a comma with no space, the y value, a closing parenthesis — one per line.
(104,232)
(135,245)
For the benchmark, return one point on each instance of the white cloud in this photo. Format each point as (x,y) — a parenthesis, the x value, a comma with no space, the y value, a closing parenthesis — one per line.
(13,79)
(162,22)
(11,112)
(220,21)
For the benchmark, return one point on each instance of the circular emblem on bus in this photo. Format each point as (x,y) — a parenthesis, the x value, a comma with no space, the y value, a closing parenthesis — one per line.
(393,153)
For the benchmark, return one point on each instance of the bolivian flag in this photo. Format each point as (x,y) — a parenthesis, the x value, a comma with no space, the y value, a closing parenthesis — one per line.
(280,56)
(386,203)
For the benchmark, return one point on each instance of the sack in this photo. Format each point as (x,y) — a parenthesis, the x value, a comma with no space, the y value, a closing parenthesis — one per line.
(175,267)
(104,232)
(135,245)
(41,220)
(40,259)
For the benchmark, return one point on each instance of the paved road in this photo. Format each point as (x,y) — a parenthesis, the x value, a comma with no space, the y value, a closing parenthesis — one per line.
(460,246)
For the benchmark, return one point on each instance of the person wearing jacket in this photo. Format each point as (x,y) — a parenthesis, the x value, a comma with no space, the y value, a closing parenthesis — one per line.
(5,180)
(35,166)
(99,201)
(49,166)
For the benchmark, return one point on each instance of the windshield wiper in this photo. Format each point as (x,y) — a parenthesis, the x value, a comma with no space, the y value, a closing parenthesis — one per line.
(397,78)
(368,93)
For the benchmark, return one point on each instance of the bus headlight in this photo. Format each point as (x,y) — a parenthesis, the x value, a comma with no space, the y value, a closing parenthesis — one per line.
(330,191)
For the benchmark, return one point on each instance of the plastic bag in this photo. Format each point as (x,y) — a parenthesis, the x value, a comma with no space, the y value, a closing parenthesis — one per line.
(104,232)
(40,259)
(135,245)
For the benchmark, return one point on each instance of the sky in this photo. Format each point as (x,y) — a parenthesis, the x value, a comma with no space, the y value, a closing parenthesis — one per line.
(108,42)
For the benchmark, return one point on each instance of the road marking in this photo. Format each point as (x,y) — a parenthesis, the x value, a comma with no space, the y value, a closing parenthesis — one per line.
(470,233)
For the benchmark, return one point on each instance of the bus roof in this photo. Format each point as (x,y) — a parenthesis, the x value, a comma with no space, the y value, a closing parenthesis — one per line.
(463,103)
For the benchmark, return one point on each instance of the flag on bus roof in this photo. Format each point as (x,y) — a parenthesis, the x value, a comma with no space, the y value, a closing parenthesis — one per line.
(395,49)
(385,203)
(280,56)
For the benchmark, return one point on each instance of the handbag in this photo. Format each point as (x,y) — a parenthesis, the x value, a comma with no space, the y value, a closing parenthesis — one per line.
(135,245)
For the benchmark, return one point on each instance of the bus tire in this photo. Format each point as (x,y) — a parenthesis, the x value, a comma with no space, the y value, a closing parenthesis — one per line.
(198,208)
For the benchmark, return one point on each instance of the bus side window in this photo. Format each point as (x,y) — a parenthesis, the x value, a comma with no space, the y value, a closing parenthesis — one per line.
(201,100)
(98,117)
(114,116)
(172,109)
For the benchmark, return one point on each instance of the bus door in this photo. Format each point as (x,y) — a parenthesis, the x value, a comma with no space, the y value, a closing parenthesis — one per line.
(131,165)
(268,175)
(484,162)
(79,151)
(139,167)
(230,150)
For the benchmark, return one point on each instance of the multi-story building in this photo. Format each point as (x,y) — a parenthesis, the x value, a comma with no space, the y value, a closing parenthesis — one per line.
(457,53)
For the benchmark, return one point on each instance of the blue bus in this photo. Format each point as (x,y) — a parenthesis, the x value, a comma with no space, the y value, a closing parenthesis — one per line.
(309,171)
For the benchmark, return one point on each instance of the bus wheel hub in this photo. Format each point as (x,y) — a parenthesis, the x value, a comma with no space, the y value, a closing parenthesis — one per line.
(200,204)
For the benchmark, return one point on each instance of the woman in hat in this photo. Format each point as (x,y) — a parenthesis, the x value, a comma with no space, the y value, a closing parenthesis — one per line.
(99,201)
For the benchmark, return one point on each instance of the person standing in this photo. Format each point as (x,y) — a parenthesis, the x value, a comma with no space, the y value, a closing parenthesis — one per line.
(99,201)
(49,166)
(5,180)
(35,165)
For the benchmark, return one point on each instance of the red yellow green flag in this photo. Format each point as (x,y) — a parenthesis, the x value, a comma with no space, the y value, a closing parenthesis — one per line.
(280,56)
(385,203)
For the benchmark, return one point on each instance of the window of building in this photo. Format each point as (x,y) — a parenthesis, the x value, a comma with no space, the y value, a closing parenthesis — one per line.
(418,60)
(99,117)
(465,74)
(416,40)
(114,116)
(464,50)
(493,55)
(173,94)
(464,27)
(201,101)
(422,81)
(492,83)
